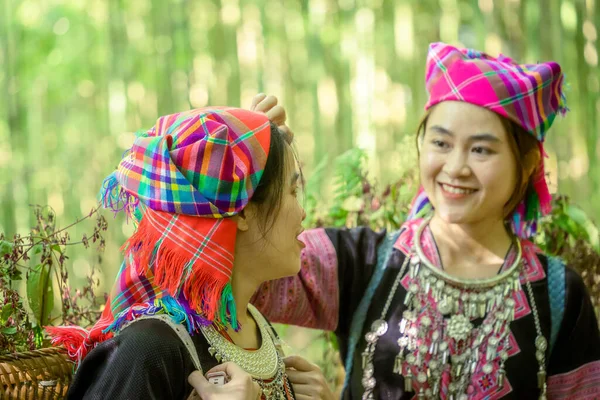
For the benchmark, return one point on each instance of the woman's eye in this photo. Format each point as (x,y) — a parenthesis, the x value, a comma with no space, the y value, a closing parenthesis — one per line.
(439,143)
(482,150)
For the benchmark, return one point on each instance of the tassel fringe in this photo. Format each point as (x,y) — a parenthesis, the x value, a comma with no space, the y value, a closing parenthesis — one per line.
(562,88)
(114,197)
(178,310)
(207,292)
(75,339)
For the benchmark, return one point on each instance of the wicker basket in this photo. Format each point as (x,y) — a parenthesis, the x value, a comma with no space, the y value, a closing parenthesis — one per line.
(39,374)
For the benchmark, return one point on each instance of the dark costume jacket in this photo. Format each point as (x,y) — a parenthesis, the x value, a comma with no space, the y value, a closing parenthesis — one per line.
(337,266)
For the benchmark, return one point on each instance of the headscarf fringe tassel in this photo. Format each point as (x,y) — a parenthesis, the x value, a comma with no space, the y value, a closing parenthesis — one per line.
(207,293)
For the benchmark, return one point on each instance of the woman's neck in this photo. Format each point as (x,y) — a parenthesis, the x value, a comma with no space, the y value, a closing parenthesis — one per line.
(471,250)
(243,288)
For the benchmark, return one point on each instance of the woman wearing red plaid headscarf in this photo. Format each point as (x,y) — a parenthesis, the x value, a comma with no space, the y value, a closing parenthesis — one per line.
(213,194)
(459,303)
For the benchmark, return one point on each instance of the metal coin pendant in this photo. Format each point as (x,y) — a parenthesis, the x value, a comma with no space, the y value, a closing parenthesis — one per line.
(379,327)
(444,306)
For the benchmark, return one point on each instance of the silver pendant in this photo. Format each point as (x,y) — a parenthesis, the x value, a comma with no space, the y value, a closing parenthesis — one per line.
(379,327)
(444,306)
(459,327)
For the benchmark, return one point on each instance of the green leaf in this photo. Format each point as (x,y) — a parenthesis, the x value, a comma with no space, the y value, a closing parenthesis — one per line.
(40,293)
(588,229)
(38,336)
(7,310)
(5,247)
(37,249)
(15,274)
(11,330)
(56,248)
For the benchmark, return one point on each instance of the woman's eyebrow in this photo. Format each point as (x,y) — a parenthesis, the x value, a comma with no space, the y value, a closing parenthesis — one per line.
(480,137)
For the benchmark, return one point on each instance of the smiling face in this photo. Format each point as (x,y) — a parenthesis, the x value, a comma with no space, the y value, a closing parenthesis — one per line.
(467,167)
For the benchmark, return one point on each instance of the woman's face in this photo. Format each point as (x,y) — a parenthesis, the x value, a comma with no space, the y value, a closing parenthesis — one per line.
(277,252)
(466,164)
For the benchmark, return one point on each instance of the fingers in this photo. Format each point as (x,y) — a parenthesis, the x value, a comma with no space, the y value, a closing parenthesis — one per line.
(266,104)
(197,379)
(231,369)
(312,379)
(200,384)
(275,112)
(300,396)
(297,377)
(277,115)
(257,99)
(307,378)
(256,392)
(312,392)
(299,364)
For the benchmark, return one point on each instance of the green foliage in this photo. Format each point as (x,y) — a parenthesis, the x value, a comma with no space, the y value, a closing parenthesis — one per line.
(358,199)
(570,234)
(42,255)
(40,294)
(574,224)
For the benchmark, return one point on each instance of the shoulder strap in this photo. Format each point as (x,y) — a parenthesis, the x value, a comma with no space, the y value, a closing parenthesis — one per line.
(556,294)
(384,253)
(180,331)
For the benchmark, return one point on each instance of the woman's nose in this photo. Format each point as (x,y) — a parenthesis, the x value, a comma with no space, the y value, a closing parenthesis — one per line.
(456,164)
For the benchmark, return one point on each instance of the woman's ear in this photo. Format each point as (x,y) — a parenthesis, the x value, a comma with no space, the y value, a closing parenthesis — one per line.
(245,218)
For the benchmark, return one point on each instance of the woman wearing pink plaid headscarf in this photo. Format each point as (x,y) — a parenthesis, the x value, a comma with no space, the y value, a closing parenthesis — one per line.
(459,303)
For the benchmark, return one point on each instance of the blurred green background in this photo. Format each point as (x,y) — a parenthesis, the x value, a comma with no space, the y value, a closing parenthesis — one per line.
(78,77)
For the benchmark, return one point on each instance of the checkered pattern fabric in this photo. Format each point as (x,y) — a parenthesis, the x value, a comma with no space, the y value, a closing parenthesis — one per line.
(204,162)
(528,94)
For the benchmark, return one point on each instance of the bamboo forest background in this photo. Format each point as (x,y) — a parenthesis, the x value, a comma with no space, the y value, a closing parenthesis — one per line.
(78,77)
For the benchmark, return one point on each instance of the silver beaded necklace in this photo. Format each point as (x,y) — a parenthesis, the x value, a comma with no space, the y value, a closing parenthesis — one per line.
(436,336)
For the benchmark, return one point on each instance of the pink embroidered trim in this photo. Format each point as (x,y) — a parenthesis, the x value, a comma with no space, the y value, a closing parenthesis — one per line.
(534,271)
(582,383)
(310,298)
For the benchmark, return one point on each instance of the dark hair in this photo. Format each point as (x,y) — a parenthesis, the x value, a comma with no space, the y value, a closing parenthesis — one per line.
(269,192)
(524,147)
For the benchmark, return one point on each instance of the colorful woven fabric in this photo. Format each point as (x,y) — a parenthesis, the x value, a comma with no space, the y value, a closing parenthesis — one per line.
(180,182)
(204,162)
(531,95)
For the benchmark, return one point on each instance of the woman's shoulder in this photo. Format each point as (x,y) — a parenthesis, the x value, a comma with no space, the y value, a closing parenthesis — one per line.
(150,331)
(555,266)
(564,281)
(149,339)
(146,359)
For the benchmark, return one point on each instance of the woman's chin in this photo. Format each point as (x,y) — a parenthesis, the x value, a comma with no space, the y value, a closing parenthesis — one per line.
(287,269)
(455,216)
